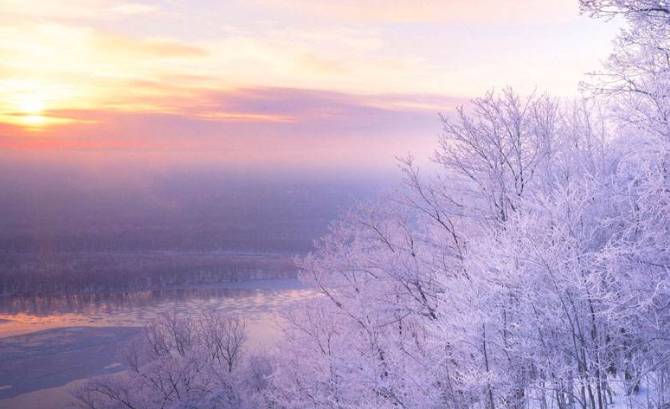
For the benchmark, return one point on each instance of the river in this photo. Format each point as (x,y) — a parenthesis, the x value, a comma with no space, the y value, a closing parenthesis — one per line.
(51,343)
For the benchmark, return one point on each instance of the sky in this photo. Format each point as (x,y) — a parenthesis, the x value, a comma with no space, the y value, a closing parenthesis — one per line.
(271,83)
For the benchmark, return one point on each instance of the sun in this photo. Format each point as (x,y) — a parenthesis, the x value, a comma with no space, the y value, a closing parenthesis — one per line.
(35,110)
(31,110)
(32,105)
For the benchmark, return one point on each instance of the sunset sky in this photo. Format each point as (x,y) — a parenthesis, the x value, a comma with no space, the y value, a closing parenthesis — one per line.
(272,81)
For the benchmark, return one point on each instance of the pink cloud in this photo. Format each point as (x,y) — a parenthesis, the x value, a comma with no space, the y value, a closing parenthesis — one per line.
(244,125)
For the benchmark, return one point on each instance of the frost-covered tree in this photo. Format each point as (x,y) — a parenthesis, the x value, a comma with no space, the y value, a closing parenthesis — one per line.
(531,271)
(179,363)
(636,77)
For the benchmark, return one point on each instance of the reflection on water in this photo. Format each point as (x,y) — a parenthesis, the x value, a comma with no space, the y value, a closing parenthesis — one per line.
(251,300)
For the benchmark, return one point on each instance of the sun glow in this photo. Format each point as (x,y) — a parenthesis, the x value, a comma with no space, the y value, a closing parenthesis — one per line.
(35,104)
(32,105)
(31,111)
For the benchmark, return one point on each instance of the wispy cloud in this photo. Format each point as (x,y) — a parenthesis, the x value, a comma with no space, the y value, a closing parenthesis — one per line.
(134,9)
(124,46)
(73,10)
(261,126)
(433,11)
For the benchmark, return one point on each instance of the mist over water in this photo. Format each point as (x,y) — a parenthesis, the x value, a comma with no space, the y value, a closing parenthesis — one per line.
(124,221)
(66,208)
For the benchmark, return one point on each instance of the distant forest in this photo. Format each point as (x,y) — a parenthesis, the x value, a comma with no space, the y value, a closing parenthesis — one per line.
(61,233)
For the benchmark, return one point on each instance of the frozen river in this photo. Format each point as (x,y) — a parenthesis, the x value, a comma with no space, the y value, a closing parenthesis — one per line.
(48,344)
